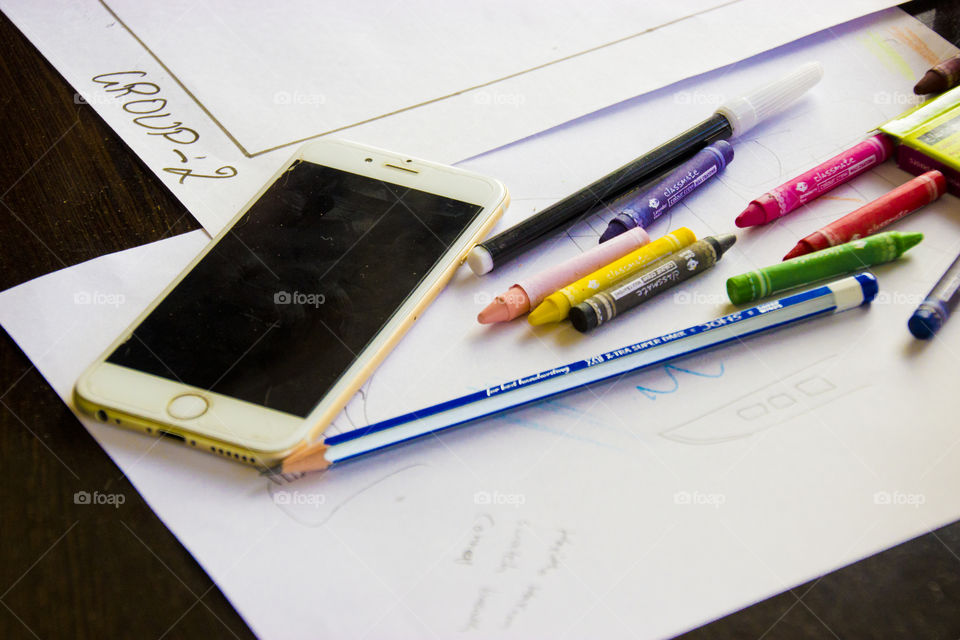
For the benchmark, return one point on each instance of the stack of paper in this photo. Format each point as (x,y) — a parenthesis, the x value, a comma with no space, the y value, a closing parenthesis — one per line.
(635,509)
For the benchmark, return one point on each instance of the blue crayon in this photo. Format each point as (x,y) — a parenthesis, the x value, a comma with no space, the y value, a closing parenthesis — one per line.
(936,308)
(641,207)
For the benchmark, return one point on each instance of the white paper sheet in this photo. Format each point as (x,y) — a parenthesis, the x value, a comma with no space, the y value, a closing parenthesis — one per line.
(636,509)
(249,81)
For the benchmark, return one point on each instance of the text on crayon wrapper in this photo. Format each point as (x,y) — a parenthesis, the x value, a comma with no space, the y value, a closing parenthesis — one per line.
(680,191)
(829,172)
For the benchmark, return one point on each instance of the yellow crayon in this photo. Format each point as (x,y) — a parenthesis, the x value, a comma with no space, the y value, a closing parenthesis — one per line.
(557,305)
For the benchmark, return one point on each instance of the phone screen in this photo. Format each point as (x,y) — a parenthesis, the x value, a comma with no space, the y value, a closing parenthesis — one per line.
(285,302)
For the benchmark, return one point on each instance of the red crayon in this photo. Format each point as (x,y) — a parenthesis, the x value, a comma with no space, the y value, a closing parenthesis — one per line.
(873,216)
(816,182)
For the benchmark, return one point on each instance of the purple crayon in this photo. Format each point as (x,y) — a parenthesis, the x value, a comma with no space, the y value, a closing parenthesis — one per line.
(641,207)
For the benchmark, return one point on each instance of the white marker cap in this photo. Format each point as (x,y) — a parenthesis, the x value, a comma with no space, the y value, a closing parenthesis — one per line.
(480,260)
(746,112)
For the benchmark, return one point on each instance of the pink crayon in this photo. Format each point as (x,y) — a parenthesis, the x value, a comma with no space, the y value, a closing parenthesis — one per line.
(816,182)
(530,292)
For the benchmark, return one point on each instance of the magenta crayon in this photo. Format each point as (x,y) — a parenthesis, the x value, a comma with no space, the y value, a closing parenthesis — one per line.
(529,292)
(875,215)
(816,182)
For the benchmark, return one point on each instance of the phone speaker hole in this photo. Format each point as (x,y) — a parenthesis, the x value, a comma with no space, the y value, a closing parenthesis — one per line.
(102,415)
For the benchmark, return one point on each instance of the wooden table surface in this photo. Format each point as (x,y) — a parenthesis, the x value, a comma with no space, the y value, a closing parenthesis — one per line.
(70,190)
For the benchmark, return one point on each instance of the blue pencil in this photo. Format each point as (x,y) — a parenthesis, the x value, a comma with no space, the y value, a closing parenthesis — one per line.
(833,297)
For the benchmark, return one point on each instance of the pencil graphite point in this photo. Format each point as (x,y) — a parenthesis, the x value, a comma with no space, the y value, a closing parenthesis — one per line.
(313,460)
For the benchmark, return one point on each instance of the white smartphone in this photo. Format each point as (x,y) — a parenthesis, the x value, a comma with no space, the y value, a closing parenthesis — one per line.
(261,341)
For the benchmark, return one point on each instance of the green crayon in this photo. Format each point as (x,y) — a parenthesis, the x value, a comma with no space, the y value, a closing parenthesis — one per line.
(819,265)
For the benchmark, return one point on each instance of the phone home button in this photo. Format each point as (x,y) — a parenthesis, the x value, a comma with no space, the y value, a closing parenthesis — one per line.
(187,407)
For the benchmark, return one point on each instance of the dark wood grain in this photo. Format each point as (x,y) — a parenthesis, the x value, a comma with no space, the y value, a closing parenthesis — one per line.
(70,190)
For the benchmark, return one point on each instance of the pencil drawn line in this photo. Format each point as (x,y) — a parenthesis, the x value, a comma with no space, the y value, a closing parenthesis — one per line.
(176,79)
(749,393)
(746,434)
(516,74)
